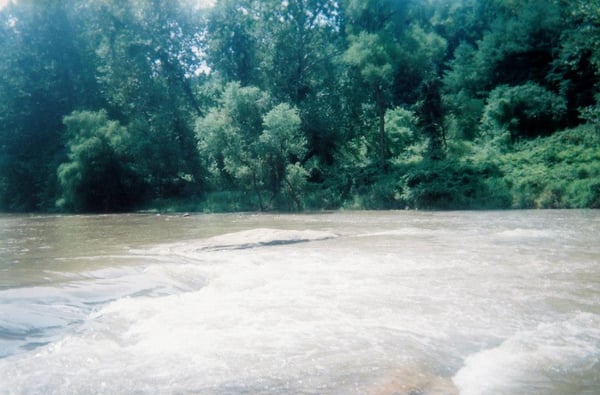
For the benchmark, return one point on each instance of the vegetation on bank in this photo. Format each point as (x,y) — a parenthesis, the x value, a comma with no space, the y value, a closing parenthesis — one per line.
(299,105)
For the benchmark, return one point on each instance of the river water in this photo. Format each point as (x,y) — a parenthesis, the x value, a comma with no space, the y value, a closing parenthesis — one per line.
(334,303)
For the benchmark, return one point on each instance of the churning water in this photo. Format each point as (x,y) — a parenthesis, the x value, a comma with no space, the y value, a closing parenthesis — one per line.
(336,303)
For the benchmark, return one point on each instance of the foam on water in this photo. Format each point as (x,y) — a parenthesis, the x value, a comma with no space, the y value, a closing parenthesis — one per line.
(414,308)
(266,320)
(555,358)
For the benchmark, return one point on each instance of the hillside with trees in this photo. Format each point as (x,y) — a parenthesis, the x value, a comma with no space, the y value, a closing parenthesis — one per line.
(110,105)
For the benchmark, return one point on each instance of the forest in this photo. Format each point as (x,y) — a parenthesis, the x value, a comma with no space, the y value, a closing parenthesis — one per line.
(288,105)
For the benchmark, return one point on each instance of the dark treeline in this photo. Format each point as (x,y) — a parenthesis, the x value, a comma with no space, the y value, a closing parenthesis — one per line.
(110,105)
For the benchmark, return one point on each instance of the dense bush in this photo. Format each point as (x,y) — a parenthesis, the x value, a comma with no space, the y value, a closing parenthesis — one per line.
(560,171)
(527,110)
(455,185)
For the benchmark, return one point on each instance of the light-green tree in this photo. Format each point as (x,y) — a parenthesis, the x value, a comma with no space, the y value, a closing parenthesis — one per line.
(376,60)
(228,136)
(252,145)
(398,63)
(402,130)
(284,147)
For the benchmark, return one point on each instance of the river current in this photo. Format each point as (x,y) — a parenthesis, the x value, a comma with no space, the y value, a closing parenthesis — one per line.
(404,302)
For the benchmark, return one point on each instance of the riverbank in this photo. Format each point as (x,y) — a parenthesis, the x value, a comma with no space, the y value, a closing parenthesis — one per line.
(561,171)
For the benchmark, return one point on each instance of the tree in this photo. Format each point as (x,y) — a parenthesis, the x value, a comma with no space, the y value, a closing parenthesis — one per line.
(252,145)
(288,49)
(518,47)
(284,147)
(374,53)
(298,46)
(577,67)
(231,41)
(40,81)
(373,16)
(228,137)
(402,129)
(269,99)
(146,62)
(431,117)
(393,60)
(100,175)
(374,58)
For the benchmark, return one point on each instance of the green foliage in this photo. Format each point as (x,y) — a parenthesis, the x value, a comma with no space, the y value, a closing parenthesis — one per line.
(99,175)
(253,146)
(370,53)
(231,43)
(228,136)
(584,14)
(42,77)
(455,185)
(283,146)
(290,105)
(526,110)
(374,15)
(519,45)
(401,128)
(281,140)
(421,53)
(515,49)
(559,171)
(463,93)
(144,56)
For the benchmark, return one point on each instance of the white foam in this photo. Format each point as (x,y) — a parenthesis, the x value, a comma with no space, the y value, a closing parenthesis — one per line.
(552,356)
(409,231)
(524,234)
(33,316)
(248,312)
(271,321)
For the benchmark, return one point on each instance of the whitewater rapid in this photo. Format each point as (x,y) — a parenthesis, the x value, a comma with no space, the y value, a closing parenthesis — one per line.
(355,303)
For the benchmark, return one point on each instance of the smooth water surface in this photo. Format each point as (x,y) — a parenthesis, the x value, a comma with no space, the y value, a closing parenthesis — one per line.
(335,303)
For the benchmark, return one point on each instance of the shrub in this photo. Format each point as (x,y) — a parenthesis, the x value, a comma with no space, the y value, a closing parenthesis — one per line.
(400,126)
(527,110)
(455,185)
(559,171)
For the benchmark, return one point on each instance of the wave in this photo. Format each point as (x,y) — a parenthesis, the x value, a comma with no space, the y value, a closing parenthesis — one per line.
(409,231)
(551,359)
(526,234)
(31,317)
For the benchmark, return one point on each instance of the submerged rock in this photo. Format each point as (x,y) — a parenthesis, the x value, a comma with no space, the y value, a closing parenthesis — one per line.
(260,237)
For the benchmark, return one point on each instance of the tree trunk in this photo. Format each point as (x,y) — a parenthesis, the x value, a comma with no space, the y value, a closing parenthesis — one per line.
(381,116)
(293,194)
(257,190)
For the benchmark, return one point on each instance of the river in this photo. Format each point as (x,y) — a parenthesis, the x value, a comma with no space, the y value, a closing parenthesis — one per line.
(402,302)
